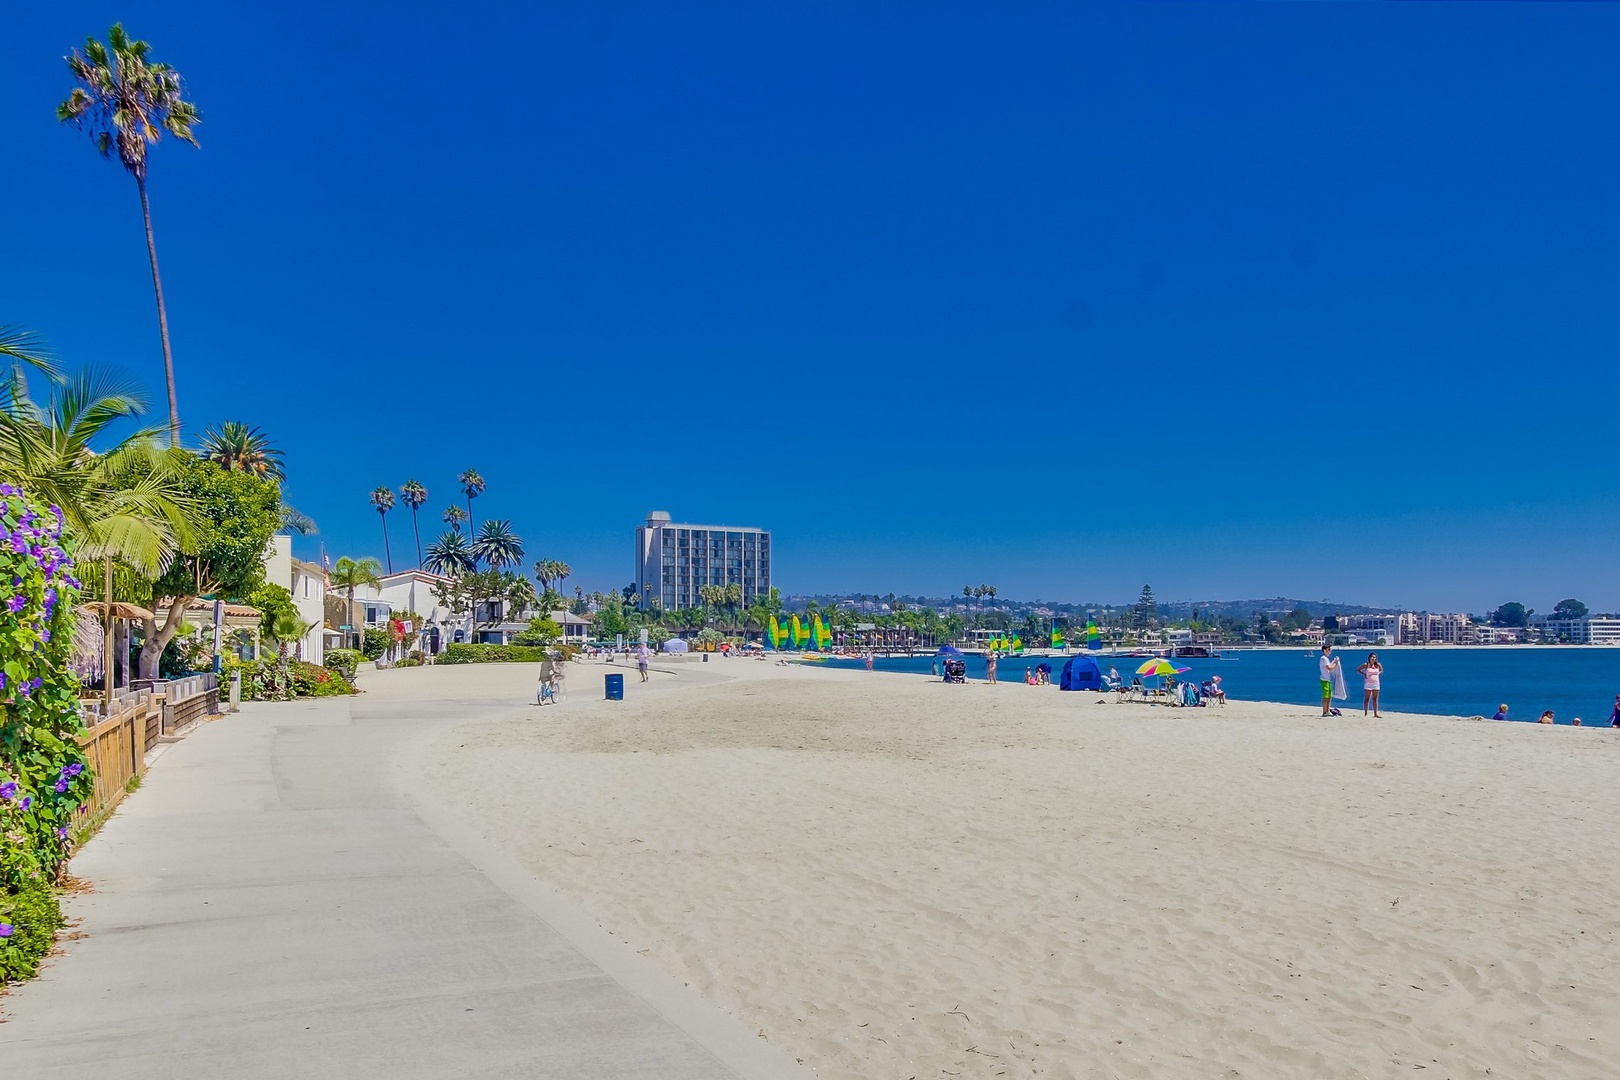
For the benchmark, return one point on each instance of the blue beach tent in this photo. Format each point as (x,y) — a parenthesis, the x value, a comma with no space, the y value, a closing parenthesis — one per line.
(1081,673)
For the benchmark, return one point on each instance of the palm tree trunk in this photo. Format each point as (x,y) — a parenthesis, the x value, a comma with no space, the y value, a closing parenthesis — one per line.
(387,555)
(417,529)
(471,529)
(163,316)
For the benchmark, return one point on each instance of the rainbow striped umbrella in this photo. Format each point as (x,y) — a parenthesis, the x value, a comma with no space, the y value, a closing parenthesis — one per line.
(1160,666)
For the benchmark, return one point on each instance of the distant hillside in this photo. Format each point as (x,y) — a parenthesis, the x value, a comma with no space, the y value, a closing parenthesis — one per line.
(1172,609)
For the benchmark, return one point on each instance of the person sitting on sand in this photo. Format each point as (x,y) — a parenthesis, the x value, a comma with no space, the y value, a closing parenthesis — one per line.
(1614,717)
(1501,710)
(1576,722)
(1546,717)
(1029,676)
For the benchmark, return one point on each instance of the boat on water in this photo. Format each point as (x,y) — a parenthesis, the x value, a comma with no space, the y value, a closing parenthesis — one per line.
(1199,652)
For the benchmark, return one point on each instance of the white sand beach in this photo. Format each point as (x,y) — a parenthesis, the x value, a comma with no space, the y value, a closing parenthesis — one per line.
(889,877)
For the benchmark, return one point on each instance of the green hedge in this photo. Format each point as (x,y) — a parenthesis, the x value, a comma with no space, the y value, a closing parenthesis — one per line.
(492,654)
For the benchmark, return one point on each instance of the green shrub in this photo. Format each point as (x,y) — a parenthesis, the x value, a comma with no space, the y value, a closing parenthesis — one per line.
(29,919)
(376,643)
(461,653)
(541,631)
(343,661)
(312,680)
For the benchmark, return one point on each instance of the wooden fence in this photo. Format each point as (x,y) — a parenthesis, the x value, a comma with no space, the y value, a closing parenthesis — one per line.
(185,701)
(116,744)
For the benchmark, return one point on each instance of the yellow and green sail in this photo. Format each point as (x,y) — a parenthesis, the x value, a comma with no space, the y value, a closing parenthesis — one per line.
(1093,635)
(820,635)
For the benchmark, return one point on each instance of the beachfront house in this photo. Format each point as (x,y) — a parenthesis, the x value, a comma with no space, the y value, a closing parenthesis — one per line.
(576,628)
(307,584)
(407,593)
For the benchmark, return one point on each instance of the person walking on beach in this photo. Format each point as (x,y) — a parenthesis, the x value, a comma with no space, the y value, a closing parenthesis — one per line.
(643,658)
(990,666)
(1332,677)
(1372,672)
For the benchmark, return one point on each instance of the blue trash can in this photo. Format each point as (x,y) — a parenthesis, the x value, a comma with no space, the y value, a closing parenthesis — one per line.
(615,687)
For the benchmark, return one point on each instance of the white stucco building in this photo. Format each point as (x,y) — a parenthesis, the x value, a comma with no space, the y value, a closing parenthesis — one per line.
(307,584)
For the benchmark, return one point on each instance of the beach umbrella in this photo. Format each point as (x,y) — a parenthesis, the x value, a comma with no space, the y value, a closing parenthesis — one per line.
(948,650)
(1159,666)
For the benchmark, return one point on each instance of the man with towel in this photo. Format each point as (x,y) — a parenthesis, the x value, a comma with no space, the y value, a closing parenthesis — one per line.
(1332,680)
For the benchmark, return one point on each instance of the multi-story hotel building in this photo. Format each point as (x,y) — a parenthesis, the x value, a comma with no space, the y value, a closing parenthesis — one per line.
(674,561)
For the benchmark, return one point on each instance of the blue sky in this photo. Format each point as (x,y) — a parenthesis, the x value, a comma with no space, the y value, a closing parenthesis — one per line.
(1309,299)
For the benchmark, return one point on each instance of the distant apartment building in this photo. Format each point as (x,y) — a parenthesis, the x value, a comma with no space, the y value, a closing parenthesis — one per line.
(674,561)
(1443,629)
(1499,635)
(1376,629)
(1591,630)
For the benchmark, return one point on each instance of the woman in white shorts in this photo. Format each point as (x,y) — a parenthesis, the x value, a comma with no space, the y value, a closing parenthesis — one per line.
(1373,672)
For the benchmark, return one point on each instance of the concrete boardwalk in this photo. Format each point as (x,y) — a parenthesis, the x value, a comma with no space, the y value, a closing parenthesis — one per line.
(272,903)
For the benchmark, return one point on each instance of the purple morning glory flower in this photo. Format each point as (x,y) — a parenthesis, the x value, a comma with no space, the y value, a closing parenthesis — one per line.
(27,801)
(8,791)
(17,603)
(61,832)
(6,929)
(2,680)
(74,769)
(61,785)
(18,545)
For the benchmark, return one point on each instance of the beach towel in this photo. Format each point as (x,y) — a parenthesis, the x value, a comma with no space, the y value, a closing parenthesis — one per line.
(1338,683)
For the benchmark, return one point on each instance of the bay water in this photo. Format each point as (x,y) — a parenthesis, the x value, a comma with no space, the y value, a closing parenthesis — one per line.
(1576,680)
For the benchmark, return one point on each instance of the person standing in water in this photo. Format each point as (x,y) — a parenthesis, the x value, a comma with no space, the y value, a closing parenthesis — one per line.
(1327,667)
(1373,673)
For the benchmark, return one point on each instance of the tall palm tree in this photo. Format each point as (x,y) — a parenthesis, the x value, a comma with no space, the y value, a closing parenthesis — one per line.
(472,486)
(413,494)
(454,516)
(497,545)
(351,574)
(382,499)
(234,446)
(127,101)
(451,555)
